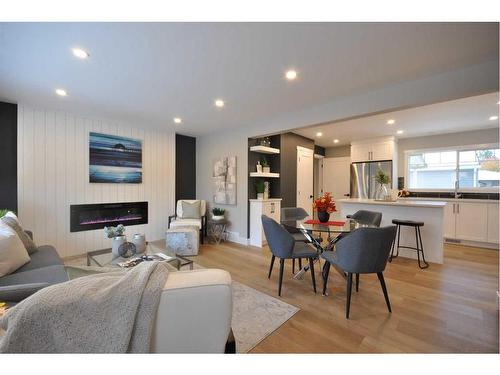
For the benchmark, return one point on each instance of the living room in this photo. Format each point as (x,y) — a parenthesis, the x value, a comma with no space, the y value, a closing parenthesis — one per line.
(192,187)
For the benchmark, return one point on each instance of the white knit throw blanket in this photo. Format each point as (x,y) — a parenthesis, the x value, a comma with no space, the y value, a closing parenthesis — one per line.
(104,313)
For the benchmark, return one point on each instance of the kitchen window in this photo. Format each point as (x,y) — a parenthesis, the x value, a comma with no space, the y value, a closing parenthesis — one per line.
(471,169)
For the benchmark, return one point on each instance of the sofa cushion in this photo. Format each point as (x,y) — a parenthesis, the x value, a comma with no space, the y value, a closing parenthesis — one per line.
(186,223)
(191,210)
(51,275)
(45,256)
(16,293)
(203,206)
(12,222)
(13,254)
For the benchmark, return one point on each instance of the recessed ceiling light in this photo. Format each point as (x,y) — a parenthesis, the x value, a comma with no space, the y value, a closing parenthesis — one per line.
(291,75)
(80,53)
(391,122)
(319,134)
(177,120)
(219,103)
(399,132)
(335,141)
(61,92)
(493,118)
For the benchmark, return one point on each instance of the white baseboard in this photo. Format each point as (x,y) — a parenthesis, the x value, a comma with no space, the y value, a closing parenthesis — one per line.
(236,238)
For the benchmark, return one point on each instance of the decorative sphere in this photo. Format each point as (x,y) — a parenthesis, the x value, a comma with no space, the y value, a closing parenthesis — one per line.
(126,250)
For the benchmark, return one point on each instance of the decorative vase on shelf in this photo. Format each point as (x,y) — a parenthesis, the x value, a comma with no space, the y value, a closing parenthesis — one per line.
(323,216)
(139,241)
(266,189)
(217,217)
(260,195)
(258,167)
(266,169)
(116,243)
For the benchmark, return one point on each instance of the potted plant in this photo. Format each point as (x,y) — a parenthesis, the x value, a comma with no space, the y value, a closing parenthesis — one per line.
(118,237)
(265,166)
(218,213)
(324,206)
(260,187)
(382,180)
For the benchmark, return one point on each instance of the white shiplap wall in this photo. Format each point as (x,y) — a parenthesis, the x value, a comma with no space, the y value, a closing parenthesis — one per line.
(53,156)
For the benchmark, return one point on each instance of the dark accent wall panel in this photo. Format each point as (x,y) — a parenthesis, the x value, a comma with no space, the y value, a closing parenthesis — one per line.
(318,150)
(8,156)
(185,167)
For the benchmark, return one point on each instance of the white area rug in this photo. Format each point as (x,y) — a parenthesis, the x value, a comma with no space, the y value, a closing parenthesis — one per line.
(256,315)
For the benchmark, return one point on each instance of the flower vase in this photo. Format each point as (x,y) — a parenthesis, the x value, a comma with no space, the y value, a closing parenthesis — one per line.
(323,216)
(382,192)
(116,243)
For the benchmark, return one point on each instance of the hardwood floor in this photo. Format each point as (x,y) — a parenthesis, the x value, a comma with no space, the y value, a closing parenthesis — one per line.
(445,308)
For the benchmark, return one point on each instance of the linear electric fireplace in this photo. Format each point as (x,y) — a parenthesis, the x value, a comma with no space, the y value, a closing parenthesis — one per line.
(100,215)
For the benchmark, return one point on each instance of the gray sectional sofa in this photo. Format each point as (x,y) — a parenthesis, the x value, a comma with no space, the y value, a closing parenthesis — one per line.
(45,268)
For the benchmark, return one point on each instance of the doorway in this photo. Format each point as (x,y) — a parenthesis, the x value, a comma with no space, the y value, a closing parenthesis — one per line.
(336,176)
(305,178)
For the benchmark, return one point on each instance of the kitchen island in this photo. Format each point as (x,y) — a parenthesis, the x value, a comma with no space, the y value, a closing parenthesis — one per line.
(430,212)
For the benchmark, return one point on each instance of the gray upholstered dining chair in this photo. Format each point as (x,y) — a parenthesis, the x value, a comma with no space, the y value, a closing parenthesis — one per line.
(366,217)
(283,246)
(365,250)
(293,214)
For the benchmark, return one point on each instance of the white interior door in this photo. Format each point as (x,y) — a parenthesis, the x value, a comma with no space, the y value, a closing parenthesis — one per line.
(336,176)
(305,178)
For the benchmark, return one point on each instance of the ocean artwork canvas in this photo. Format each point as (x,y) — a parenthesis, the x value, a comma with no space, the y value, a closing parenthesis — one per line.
(114,159)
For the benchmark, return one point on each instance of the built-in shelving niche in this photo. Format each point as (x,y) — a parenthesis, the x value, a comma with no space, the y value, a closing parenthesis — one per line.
(273,158)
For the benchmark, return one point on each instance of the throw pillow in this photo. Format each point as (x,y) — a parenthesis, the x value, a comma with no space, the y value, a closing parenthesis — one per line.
(13,254)
(191,210)
(13,222)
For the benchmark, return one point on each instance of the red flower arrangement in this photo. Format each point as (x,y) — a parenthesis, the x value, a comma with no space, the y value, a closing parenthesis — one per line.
(324,203)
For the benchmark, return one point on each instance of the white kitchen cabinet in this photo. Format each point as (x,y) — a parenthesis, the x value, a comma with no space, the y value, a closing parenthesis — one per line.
(449,220)
(471,221)
(259,207)
(373,150)
(493,223)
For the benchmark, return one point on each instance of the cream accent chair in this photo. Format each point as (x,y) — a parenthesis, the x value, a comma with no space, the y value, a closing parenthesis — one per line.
(194,314)
(178,221)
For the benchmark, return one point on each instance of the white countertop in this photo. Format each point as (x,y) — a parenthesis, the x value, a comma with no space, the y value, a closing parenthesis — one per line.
(266,200)
(399,202)
(493,201)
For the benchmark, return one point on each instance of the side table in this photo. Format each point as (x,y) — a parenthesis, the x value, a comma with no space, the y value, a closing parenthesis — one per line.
(218,230)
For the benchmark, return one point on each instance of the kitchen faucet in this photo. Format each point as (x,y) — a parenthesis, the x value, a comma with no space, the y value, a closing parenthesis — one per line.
(457,194)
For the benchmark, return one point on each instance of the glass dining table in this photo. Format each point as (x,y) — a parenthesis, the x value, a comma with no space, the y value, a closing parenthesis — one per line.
(334,230)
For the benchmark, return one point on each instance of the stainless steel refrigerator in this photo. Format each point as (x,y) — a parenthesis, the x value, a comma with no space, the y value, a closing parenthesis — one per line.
(363,183)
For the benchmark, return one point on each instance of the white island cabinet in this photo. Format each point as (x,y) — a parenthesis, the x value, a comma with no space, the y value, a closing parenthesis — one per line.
(430,212)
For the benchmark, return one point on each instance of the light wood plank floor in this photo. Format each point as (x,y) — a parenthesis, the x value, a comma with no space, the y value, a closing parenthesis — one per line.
(445,308)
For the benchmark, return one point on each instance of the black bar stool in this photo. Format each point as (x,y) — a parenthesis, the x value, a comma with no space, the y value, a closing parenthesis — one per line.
(418,238)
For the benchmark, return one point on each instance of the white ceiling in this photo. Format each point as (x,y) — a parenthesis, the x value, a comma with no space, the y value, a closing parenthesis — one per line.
(147,74)
(446,117)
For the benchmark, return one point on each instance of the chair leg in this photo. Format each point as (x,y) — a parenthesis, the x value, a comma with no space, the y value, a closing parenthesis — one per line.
(326,272)
(384,289)
(313,276)
(421,247)
(201,236)
(282,266)
(300,263)
(349,290)
(271,267)
(394,245)
(293,265)
(357,282)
